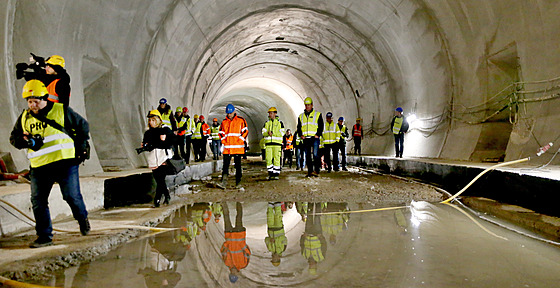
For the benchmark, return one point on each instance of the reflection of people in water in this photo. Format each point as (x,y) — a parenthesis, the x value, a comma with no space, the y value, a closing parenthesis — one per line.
(312,242)
(276,241)
(201,215)
(333,224)
(301,208)
(235,252)
(165,252)
(217,211)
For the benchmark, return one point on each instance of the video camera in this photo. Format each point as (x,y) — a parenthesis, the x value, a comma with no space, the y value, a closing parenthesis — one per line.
(145,148)
(36,63)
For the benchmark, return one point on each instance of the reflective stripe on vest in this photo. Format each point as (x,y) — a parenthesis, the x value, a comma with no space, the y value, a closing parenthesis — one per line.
(233,133)
(309,124)
(312,248)
(215,132)
(339,131)
(57,145)
(197,134)
(165,118)
(53,96)
(357,130)
(329,133)
(190,127)
(275,126)
(397,125)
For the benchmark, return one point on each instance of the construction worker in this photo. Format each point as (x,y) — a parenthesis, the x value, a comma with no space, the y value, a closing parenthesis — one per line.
(196,137)
(217,211)
(341,144)
(276,241)
(288,145)
(302,208)
(158,140)
(54,156)
(399,126)
(203,141)
(186,130)
(313,244)
(310,129)
(273,131)
(179,143)
(216,143)
(165,111)
(54,76)
(331,137)
(233,133)
(357,134)
(263,148)
(235,252)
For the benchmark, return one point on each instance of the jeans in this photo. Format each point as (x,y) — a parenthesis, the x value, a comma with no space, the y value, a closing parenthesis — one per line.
(357,145)
(216,145)
(399,142)
(42,180)
(300,157)
(311,145)
(339,146)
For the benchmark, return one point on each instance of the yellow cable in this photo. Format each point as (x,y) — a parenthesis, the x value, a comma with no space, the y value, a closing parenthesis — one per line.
(16,284)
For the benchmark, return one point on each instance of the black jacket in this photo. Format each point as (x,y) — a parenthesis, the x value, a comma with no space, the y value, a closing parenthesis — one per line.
(151,137)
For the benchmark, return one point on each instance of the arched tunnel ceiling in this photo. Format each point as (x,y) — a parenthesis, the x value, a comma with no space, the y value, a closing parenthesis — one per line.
(354,58)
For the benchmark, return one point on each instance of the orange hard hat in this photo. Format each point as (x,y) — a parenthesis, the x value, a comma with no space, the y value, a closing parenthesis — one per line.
(216,119)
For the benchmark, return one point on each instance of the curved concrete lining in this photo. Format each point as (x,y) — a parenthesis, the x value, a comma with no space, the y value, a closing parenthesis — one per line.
(436,59)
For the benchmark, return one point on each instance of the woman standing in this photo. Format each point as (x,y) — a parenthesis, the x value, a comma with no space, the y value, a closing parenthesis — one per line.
(158,141)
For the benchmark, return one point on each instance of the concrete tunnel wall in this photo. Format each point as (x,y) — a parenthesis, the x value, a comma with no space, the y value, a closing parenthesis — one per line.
(441,60)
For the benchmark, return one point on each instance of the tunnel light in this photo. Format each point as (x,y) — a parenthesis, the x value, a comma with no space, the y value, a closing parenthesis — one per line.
(411,118)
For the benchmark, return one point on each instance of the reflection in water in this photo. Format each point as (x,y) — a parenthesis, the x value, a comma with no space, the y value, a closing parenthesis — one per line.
(430,245)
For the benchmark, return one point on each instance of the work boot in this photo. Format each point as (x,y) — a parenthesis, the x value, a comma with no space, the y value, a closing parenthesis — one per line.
(84,226)
(156,203)
(41,242)
(223,185)
(166,201)
(344,169)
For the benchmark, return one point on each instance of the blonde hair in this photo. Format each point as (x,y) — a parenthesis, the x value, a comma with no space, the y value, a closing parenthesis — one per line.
(159,121)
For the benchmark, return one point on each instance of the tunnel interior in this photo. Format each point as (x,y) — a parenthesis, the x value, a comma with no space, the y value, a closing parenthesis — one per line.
(461,69)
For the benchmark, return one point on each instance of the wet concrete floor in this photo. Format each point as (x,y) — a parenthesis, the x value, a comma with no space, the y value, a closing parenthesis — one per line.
(421,245)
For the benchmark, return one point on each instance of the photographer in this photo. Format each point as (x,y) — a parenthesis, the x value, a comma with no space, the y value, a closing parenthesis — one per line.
(54,156)
(158,140)
(51,72)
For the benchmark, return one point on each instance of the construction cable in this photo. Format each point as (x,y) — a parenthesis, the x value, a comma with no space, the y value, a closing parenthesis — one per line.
(15,284)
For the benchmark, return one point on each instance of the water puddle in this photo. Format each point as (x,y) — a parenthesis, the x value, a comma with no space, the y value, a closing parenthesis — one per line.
(308,245)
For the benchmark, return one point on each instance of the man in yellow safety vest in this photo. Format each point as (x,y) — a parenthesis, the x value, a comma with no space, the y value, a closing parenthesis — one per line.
(399,126)
(273,131)
(310,128)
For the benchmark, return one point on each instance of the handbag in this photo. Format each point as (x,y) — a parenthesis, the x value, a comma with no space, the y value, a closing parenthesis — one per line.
(176,165)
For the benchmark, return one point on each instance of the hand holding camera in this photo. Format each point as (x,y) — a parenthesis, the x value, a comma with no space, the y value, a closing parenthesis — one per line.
(36,63)
(144,148)
(34,142)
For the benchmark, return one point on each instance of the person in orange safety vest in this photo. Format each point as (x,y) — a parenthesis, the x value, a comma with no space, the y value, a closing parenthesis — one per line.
(233,133)
(235,252)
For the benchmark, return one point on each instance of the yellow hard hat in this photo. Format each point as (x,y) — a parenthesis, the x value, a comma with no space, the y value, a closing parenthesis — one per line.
(34,88)
(358,119)
(308,101)
(276,264)
(55,60)
(179,109)
(272,109)
(154,113)
(195,116)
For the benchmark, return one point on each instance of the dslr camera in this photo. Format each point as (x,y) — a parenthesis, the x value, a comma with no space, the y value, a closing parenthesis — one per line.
(37,64)
(34,142)
(144,148)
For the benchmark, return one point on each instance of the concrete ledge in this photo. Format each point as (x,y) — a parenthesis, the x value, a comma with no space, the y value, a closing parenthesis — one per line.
(111,189)
(507,186)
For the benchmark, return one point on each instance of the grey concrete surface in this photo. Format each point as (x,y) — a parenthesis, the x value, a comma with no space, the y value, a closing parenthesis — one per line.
(451,63)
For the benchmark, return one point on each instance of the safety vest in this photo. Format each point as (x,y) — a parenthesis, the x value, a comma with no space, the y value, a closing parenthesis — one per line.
(312,248)
(166,119)
(233,134)
(397,125)
(330,134)
(277,129)
(280,241)
(235,251)
(217,210)
(180,124)
(309,124)
(197,217)
(205,129)
(289,140)
(215,131)
(357,131)
(57,145)
(53,96)
(298,141)
(190,126)
(340,131)
(261,143)
(197,134)
(321,142)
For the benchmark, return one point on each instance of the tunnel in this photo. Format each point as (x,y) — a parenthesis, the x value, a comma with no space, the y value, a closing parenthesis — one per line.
(478,76)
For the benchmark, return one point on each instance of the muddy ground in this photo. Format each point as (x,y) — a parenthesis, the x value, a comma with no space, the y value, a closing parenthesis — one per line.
(355,185)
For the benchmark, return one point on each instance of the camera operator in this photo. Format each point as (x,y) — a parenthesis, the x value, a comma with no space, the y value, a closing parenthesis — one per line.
(51,73)
(158,140)
(54,156)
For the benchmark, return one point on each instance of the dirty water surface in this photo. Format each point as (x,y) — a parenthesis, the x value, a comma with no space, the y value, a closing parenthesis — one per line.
(322,244)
